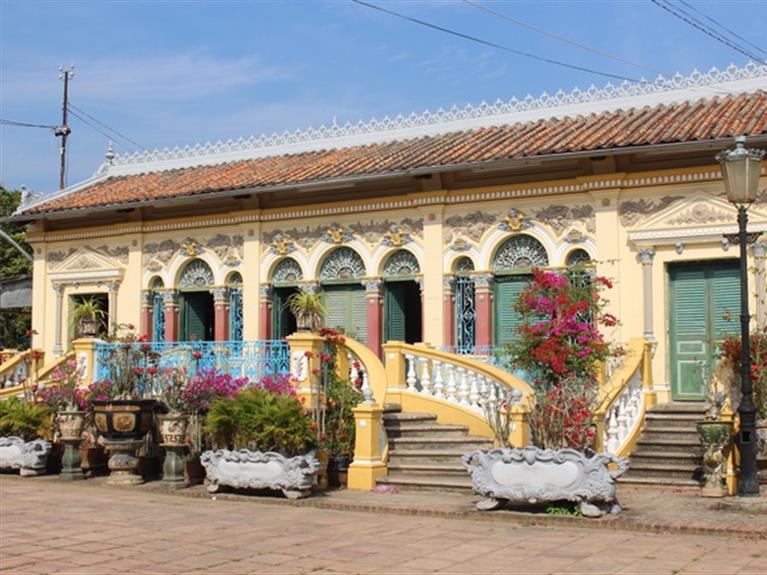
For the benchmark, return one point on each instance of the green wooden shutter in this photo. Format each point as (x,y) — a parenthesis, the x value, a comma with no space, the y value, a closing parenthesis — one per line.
(689,340)
(196,318)
(507,321)
(359,320)
(335,308)
(394,308)
(725,284)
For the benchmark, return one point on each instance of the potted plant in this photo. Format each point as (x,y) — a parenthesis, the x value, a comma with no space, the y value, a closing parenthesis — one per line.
(308,310)
(173,424)
(88,317)
(22,423)
(264,441)
(561,349)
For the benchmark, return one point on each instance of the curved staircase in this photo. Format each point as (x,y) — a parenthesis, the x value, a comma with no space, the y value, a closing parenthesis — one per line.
(668,451)
(424,454)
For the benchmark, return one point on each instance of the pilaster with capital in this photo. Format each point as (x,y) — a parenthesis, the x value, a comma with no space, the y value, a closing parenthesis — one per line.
(220,313)
(448,309)
(646,257)
(483,303)
(170,308)
(374,300)
(112,289)
(147,313)
(58,348)
(265,312)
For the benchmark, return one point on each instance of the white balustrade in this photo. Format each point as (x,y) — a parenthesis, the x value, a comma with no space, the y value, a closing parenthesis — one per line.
(410,379)
(439,384)
(624,414)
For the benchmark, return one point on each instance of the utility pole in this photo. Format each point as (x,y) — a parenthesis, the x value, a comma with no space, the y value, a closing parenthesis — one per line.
(63,131)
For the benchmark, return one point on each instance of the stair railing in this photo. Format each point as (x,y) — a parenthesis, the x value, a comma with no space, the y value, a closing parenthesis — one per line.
(624,399)
(35,373)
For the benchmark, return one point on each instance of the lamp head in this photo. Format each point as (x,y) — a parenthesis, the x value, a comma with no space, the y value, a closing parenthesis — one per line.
(741,168)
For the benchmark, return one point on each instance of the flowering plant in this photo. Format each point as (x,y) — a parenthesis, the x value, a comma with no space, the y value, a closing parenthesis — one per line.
(280,383)
(561,348)
(208,385)
(731,350)
(171,385)
(133,364)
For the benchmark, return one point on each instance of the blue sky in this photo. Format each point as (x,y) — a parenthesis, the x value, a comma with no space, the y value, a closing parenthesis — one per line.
(175,73)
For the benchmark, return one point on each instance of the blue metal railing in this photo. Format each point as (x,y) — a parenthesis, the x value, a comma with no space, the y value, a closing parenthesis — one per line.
(252,359)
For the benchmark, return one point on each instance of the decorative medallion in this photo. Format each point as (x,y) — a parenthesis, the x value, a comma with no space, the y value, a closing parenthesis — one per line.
(520,252)
(343,263)
(282,244)
(575,237)
(395,237)
(197,274)
(191,247)
(401,263)
(460,245)
(337,234)
(514,221)
(287,270)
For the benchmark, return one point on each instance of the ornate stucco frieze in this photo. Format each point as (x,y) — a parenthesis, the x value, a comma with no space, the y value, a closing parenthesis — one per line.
(228,249)
(471,226)
(700,214)
(119,253)
(633,211)
(560,218)
(514,221)
(395,237)
(337,234)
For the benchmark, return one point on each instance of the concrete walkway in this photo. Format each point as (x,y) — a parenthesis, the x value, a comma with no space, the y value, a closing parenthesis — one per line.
(47,526)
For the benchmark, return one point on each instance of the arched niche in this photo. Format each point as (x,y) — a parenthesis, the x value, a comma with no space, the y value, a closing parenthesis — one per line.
(287,271)
(401,263)
(342,264)
(520,252)
(196,275)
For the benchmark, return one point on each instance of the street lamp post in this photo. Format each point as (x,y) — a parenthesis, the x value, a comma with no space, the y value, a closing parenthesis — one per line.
(740,170)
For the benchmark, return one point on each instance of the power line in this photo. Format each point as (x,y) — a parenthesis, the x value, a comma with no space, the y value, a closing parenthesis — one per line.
(575,43)
(97,129)
(723,27)
(103,125)
(26,125)
(499,46)
(707,31)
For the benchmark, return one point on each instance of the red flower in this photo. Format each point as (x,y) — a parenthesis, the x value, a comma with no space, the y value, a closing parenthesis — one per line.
(308,354)
(131,326)
(197,354)
(315,371)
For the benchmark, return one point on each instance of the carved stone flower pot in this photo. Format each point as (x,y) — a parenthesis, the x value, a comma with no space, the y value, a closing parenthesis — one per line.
(123,419)
(245,469)
(71,425)
(29,457)
(173,429)
(715,436)
(531,476)
(71,429)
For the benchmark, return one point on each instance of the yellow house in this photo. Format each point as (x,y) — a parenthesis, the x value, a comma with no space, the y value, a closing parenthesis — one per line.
(425,228)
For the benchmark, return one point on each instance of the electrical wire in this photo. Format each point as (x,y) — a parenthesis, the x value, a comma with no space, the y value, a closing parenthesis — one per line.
(499,46)
(103,125)
(707,31)
(26,125)
(99,130)
(723,27)
(575,43)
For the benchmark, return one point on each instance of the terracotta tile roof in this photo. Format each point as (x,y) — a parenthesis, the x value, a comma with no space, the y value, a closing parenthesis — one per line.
(705,119)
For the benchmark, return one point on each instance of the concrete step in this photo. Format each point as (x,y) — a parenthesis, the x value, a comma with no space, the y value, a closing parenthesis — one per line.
(652,468)
(427,482)
(671,434)
(665,457)
(395,431)
(427,469)
(438,443)
(406,418)
(392,408)
(692,407)
(662,444)
(673,419)
(445,457)
(659,481)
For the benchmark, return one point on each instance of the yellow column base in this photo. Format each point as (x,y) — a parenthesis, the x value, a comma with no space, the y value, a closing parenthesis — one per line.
(362,476)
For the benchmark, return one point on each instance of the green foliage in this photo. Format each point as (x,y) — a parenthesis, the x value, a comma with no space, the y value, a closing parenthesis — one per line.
(14,328)
(87,309)
(259,419)
(341,398)
(307,308)
(572,511)
(12,263)
(24,419)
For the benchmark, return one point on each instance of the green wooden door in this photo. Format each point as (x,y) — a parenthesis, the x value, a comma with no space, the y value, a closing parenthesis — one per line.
(346,308)
(196,316)
(394,312)
(507,321)
(704,308)
(283,321)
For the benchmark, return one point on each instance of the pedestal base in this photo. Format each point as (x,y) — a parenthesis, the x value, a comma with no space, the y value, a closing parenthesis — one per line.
(71,460)
(173,468)
(123,462)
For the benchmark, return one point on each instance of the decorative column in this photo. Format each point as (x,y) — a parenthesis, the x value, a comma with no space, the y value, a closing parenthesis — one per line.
(170,307)
(760,283)
(112,288)
(483,297)
(58,348)
(147,317)
(646,257)
(221,314)
(265,312)
(374,299)
(448,310)
(419,281)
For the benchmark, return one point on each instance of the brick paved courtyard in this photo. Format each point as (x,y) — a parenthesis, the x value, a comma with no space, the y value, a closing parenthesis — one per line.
(48,527)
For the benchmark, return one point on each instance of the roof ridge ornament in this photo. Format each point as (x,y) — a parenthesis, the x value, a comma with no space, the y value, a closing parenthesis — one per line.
(428,122)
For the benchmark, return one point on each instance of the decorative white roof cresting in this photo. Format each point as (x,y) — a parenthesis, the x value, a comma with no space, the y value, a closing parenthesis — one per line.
(678,88)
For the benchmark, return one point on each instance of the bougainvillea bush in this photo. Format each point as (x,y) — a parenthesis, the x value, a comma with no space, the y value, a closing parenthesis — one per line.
(208,385)
(561,348)
(731,350)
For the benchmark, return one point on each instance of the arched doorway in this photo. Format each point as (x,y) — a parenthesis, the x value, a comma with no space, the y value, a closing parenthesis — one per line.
(195,302)
(285,278)
(402,298)
(341,275)
(512,265)
(465,306)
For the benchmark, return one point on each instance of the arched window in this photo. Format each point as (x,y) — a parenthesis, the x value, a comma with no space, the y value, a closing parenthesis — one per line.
(235,306)
(196,274)
(578,257)
(287,272)
(520,252)
(463,265)
(158,309)
(342,264)
(401,263)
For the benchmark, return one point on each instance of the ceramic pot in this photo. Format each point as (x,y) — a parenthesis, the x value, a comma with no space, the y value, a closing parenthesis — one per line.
(173,429)
(715,436)
(123,419)
(71,425)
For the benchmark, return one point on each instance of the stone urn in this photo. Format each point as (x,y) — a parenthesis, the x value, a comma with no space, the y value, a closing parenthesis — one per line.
(715,436)
(71,428)
(71,425)
(173,428)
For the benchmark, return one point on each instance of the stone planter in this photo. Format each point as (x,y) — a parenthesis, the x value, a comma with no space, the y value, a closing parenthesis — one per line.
(71,429)
(29,457)
(123,419)
(531,476)
(245,469)
(173,429)
(761,438)
(71,425)
(715,436)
